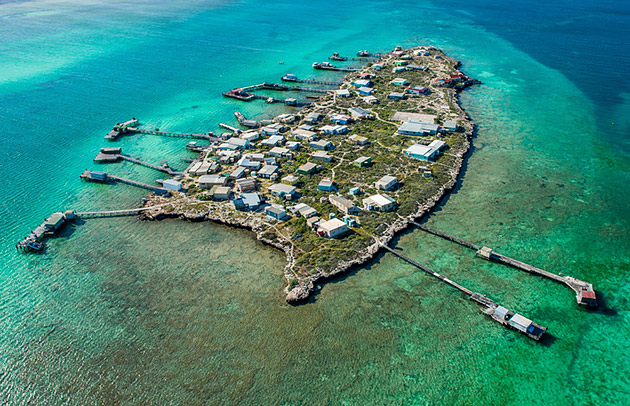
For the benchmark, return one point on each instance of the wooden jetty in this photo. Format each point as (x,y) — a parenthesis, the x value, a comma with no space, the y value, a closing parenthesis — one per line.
(585,294)
(336,57)
(107,157)
(113,213)
(36,239)
(102,177)
(293,78)
(121,128)
(328,66)
(235,130)
(130,127)
(366,54)
(247,94)
(210,136)
(245,122)
(496,312)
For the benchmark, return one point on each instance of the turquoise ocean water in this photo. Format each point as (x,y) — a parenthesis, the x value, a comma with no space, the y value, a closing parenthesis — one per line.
(120,311)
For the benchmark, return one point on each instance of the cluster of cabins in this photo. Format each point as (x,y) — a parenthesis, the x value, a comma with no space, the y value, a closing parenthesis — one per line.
(251,170)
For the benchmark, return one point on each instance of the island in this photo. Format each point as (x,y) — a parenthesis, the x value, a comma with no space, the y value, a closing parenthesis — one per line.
(333,183)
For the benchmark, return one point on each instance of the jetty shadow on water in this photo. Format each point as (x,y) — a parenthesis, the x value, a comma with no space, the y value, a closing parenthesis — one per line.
(547,340)
(602,307)
(321,284)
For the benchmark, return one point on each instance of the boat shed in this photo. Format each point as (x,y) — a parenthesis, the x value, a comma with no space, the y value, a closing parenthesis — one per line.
(520,323)
(54,221)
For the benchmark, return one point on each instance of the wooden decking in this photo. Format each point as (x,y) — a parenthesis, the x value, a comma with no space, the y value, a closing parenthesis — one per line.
(114,213)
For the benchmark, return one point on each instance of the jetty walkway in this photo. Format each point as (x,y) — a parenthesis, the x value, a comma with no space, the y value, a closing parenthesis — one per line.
(105,157)
(115,213)
(585,294)
(247,93)
(102,177)
(293,78)
(496,312)
(130,127)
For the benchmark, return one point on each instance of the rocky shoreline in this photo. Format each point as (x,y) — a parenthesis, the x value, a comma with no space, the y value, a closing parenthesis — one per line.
(306,287)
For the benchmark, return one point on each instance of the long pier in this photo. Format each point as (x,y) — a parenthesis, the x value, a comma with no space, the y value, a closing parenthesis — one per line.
(101,177)
(294,79)
(337,57)
(327,66)
(231,128)
(585,294)
(496,312)
(104,157)
(162,168)
(130,127)
(114,213)
(247,93)
(209,136)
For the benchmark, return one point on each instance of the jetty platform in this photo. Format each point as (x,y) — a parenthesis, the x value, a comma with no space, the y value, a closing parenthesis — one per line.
(498,313)
(53,223)
(585,294)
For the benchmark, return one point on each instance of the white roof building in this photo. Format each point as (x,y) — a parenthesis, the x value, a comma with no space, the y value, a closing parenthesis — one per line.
(333,228)
(379,202)
(387,182)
